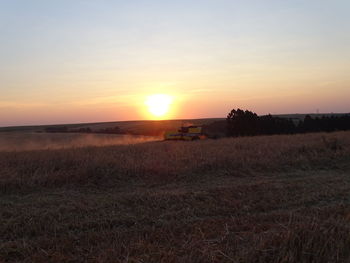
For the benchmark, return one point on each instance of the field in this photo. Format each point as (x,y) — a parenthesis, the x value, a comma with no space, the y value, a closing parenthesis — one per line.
(282,198)
(146,127)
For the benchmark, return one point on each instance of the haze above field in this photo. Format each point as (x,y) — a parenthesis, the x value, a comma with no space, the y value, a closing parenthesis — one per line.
(96,61)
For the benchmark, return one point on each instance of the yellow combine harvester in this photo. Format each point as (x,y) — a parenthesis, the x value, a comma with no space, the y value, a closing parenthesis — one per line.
(190,133)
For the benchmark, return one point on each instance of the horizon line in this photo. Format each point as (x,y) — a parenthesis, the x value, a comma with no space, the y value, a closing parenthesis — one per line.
(185,119)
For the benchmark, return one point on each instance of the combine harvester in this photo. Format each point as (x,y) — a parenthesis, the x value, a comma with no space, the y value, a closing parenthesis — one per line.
(190,133)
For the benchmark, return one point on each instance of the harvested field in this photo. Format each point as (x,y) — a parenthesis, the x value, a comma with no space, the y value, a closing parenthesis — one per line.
(253,199)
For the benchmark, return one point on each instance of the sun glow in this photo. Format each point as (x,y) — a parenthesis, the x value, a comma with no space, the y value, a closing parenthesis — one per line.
(159,104)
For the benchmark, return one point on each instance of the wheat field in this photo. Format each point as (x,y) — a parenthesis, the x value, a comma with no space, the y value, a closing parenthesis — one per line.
(281,198)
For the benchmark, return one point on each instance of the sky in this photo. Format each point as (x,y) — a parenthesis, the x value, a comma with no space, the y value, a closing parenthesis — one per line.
(88,61)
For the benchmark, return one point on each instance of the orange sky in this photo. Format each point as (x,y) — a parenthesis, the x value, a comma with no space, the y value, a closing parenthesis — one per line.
(70,62)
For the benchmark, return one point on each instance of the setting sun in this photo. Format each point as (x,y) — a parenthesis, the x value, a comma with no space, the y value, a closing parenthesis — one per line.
(158,104)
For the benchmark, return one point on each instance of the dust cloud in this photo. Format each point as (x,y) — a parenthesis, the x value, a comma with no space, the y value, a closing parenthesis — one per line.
(42,141)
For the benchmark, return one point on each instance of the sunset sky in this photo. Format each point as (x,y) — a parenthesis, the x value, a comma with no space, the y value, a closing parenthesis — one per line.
(71,61)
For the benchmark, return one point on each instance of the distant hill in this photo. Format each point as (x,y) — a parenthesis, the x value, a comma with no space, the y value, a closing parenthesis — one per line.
(144,127)
(212,126)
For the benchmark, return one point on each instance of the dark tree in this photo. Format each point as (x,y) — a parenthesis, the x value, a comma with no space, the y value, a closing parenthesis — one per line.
(242,123)
(247,123)
(325,123)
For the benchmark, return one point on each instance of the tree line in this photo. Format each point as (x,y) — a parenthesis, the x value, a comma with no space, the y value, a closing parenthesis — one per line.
(247,123)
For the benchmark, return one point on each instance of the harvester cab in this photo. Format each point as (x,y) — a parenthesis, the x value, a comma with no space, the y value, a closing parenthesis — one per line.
(189,133)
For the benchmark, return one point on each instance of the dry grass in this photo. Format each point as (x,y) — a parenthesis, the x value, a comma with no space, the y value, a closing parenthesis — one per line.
(258,199)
